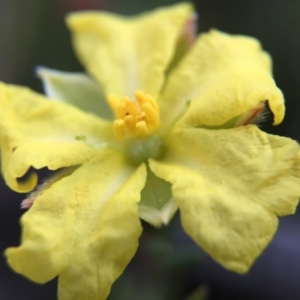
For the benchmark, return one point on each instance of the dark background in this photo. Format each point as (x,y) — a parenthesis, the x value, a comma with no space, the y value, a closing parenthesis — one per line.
(168,266)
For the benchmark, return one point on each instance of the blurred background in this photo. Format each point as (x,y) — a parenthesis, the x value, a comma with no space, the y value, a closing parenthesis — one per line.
(168,265)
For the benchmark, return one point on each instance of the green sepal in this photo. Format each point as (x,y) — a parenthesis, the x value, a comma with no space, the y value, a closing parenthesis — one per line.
(184,43)
(157,206)
(254,116)
(75,88)
(227,125)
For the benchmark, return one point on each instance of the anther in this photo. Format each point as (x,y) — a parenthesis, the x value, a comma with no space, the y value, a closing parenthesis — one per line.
(119,128)
(138,118)
(152,114)
(130,123)
(142,129)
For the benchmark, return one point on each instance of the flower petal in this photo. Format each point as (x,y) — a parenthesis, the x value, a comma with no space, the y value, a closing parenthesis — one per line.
(76,89)
(85,228)
(230,185)
(224,76)
(40,133)
(128,54)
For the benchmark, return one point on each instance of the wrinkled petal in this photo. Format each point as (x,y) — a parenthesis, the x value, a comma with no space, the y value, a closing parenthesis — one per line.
(230,185)
(85,228)
(128,54)
(40,133)
(224,76)
(45,184)
(76,89)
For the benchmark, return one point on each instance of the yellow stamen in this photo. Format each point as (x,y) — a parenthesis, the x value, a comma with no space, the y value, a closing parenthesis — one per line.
(141,129)
(119,127)
(135,118)
(140,97)
(130,123)
(152,115)
(152,101)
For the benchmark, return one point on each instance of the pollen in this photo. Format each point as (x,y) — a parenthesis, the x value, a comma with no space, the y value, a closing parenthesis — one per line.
(138,118)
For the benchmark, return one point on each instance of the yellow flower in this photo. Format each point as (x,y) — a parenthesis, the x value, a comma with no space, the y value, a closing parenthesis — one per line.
(180,138)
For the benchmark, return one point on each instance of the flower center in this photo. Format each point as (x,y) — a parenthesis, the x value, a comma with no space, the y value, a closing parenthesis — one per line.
(139,150)
(138,118)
